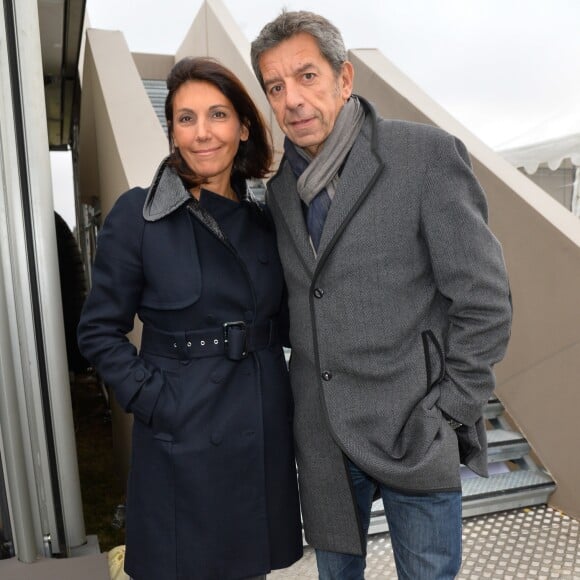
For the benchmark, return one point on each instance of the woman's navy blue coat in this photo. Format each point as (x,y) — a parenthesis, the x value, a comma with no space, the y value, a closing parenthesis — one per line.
(212,488)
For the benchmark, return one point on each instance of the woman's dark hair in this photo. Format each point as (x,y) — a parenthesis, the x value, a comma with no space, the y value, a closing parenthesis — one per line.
(254,156)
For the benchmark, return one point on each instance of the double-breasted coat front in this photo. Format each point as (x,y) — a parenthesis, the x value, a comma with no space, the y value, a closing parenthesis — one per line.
(212,488)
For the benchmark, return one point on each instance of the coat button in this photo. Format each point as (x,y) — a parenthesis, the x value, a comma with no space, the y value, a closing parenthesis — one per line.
(216,438)
(263,259)
(318,292)
(139,375)
(326,376)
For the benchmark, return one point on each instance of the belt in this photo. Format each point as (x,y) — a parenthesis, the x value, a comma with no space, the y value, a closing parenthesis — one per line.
(235,340)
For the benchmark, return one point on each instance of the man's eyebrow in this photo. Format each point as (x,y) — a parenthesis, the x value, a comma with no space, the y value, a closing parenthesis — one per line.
(305,67)
(300,70)
(272,80)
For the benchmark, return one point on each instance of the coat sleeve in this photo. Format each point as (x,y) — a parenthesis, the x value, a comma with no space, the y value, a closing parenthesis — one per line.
(469,270)
(109,310)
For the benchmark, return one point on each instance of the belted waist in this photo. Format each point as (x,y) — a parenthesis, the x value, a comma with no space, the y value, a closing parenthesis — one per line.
(235,340)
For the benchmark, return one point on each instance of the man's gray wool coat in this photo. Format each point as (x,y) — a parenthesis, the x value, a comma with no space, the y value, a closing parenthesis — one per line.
(398,320)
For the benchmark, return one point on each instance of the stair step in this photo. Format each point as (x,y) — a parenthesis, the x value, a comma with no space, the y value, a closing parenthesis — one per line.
(505,445)
(493,409)
(503,491)
(157,91)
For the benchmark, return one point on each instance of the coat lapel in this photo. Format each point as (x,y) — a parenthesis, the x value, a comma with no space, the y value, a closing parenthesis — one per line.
(359,174)
(284,195)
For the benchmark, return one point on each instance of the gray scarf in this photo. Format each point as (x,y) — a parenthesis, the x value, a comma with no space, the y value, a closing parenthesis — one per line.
(322,170)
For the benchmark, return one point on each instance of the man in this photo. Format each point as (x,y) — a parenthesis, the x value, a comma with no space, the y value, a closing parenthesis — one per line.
(399,307)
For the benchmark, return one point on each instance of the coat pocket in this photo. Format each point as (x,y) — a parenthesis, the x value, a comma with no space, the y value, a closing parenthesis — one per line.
(164,415)
(469,439)
(163,418)
(422,426)
(419,431)
(434,358)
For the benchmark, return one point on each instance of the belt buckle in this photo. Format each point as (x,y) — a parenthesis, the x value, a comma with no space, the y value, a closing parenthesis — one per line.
(235,343)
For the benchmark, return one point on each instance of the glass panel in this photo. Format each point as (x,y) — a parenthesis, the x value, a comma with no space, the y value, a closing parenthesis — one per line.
(6,544)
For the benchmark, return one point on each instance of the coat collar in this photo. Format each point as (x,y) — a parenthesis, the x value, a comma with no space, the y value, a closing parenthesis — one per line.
(167,193)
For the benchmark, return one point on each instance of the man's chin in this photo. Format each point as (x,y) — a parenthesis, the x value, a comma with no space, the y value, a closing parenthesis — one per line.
(309,142)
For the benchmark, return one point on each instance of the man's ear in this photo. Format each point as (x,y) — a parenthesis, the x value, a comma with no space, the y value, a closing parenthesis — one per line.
(346,79)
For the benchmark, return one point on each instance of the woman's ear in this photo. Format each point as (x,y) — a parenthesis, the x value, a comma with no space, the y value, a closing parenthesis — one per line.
(244,132)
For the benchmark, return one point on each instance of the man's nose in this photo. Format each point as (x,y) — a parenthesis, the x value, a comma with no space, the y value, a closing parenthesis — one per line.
(294,98)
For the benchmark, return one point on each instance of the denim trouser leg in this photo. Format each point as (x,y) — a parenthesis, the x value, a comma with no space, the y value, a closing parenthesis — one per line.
(425,534)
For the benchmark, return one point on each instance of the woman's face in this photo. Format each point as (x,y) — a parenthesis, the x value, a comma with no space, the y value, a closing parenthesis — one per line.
(207,132)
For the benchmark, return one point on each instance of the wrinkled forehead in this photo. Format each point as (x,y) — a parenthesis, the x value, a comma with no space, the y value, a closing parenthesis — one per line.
(292,55)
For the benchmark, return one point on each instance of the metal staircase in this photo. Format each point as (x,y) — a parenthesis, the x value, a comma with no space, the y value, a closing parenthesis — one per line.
(515,479)
(157,91)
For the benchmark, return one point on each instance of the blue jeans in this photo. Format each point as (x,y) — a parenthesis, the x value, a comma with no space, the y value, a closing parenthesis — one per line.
(425,534)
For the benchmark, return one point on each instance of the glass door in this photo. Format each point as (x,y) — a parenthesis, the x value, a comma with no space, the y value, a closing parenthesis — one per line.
(6,542)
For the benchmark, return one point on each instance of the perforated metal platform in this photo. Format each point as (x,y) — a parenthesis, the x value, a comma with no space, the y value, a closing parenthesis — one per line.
(536,543)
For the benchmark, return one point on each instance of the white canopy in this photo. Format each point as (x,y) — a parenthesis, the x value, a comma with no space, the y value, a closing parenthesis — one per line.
(551,142)
(552,152)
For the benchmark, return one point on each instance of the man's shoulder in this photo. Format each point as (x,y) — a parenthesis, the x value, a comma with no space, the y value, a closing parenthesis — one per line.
(404,128)
(401,139)
(280,179)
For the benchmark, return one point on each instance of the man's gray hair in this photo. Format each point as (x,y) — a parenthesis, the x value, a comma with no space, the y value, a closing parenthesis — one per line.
(289,24)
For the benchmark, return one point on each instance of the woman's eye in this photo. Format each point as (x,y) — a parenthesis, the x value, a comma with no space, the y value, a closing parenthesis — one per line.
(219,115)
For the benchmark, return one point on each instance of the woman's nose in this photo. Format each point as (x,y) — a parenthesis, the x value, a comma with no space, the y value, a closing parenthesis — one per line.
(202,131)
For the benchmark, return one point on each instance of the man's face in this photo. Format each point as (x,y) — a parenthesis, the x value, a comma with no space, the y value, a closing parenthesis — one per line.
(304,92)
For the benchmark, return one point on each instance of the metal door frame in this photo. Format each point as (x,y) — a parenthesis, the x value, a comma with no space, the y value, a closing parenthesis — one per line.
(37,442)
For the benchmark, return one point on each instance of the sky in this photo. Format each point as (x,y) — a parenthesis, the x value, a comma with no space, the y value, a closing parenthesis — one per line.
(509,70)
(503,68)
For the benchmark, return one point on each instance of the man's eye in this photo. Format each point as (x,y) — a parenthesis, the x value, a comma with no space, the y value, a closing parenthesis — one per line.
(309,76)
(275,89)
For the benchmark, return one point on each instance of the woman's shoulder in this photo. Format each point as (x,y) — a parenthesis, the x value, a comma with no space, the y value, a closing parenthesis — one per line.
(132,200)
(126,215)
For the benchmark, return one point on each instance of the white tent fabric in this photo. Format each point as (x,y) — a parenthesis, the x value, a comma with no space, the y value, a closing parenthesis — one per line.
(551,151)
(550,141)
(576,194)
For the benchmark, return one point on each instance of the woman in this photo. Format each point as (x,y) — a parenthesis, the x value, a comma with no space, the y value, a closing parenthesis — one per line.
(212,489)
